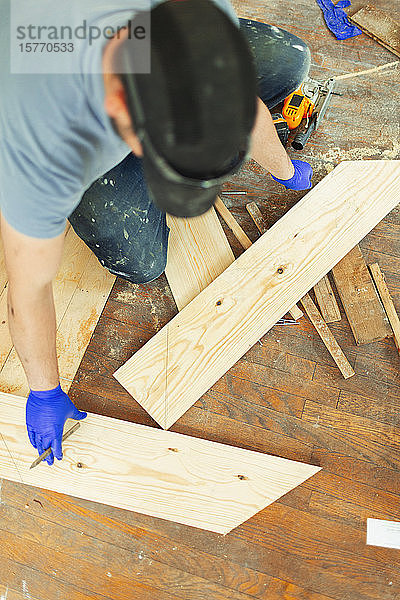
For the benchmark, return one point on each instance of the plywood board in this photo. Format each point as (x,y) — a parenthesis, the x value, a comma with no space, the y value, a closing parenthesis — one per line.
(360,300)
(380,26)
(81,289)
(159,473)
(326,300)
(198,252)
(185,358)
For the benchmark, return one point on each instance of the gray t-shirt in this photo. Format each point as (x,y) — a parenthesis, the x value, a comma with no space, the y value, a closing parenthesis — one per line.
(55,136)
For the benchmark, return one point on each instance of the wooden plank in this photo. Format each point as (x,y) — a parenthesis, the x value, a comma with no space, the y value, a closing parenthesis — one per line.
(233,225)
(44,535)
(168,475)
(185,358)
(380,26)
(295,312)
(315,531)
(364,429)
(279,589)
(75,258)
(198,252)
(323,289)
(326,300)
(80,290)
(363,384)
(376,410)
(258,219)
(80,319)
(360,300)
(379,280)
(183,565)
(327,337)
(54,574)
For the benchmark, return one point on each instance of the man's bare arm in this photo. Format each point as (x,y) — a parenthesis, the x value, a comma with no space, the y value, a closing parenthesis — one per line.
(266,147)
(31,267)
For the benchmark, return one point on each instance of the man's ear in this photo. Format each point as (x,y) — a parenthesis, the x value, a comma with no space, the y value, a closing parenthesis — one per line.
(115,100)
(116,107)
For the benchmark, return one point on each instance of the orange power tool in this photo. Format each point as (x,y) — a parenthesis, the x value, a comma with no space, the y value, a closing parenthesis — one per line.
(309,102)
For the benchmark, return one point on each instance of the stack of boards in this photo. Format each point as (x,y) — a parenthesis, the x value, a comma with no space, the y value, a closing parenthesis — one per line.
(230,306)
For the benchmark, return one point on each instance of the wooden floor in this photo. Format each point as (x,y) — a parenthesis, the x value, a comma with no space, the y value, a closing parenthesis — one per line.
(285,397)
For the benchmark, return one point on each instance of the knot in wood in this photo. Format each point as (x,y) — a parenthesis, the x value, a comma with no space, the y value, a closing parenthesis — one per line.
(242,477)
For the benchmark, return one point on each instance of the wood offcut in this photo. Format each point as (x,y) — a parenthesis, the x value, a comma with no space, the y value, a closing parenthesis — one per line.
(360,300)
(233,225)
(326,300)
(379,280)
(327,337)
(187,356)
(380,26)
(257,217)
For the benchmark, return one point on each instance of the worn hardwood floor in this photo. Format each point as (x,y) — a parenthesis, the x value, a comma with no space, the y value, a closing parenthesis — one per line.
(285,397)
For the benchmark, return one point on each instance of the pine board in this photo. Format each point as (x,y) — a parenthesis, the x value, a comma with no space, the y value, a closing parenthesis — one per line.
(257,217)
(360,300)
(198,252)
(380,26)
(259,222)
(159,473)
(185,358)
(80,290)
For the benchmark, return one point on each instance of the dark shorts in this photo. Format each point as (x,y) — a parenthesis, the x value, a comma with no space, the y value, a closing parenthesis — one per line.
(116,217)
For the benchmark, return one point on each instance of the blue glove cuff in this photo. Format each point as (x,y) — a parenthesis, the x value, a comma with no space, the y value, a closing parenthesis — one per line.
(286,181)
(47,394)
(301,179)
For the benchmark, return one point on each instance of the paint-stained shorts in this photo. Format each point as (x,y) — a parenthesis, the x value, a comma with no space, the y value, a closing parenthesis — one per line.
(116,217)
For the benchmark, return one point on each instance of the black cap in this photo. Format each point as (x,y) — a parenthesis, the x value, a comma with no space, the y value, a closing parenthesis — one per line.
(194,112)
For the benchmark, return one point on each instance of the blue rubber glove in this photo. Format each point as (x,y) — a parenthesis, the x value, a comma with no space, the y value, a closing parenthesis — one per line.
(301,179)
(337,20)
(46,413)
